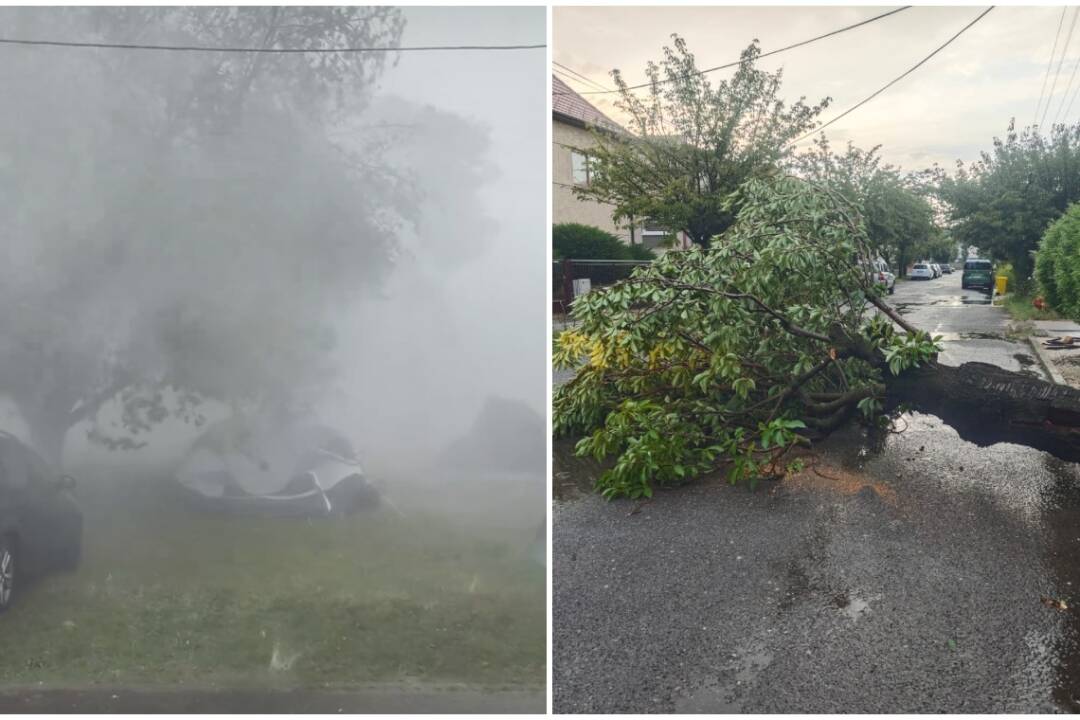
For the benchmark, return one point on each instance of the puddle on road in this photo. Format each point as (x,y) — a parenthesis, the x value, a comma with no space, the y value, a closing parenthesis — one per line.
(949,302)
(1028,365)
(959,336)
(854,607)
(724,694)
(571,476)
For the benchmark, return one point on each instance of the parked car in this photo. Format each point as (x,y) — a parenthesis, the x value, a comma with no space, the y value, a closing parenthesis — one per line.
(40,524)
(921,271)
(947,269)
(978,273)
(881,275)
(936,268)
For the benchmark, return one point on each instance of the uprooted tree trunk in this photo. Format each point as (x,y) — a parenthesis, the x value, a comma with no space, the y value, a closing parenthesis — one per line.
(984,403)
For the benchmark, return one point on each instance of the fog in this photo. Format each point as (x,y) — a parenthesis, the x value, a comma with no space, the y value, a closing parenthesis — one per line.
(206,233)
(288,301)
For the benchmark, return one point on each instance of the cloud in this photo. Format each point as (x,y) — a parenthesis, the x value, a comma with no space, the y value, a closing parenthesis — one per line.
(949,108)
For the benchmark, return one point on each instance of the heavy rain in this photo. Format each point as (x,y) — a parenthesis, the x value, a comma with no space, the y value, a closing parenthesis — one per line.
(271,361)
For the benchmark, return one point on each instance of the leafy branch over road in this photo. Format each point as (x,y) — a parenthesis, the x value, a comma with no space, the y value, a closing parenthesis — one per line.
(772,336)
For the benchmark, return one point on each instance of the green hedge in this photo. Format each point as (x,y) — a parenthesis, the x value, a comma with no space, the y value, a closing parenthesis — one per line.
(1057,264)
(585,242)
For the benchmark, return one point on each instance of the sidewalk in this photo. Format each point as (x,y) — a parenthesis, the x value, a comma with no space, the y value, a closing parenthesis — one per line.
(1063,365)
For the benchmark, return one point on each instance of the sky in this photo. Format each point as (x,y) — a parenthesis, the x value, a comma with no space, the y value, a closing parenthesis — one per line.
(950,108)
(480,322)
(504,291)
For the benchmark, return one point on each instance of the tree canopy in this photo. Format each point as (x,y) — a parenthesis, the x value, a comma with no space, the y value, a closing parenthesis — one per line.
(693,143)
(1003,202)
(193,221)
(899,218)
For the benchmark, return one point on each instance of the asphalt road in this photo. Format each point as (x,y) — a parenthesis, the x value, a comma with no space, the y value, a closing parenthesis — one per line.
(972,329)
(907,575)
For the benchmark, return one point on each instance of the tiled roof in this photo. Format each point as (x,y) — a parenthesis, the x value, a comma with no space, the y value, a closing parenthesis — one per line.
(566,102)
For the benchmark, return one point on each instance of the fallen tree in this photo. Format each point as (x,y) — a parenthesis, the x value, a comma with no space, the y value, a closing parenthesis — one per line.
(775,335)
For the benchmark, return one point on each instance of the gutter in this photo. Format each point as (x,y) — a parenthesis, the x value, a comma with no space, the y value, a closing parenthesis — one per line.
(1047,364)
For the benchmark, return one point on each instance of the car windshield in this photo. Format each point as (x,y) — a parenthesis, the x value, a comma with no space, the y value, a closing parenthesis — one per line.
(977,265)
(920,267)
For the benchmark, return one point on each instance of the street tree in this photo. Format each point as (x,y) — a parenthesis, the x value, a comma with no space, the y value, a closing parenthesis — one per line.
(193,222)
(692,143)
(730,356)
(898,217)
(1003,202)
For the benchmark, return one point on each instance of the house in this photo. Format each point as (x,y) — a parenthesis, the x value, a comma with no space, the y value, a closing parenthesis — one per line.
(573,120)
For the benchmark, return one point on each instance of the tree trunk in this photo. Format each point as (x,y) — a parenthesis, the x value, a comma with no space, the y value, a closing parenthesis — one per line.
(988,405)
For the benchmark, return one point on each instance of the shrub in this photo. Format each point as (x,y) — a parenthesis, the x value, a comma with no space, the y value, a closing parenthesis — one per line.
(639,252)
(1057,264)
(585,242)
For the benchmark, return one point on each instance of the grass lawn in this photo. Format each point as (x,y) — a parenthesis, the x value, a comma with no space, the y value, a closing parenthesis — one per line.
(168,596)
(1020,308)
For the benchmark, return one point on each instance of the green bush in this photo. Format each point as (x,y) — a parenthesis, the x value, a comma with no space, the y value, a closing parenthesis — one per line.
(639,252)
(585,242)
(1057,264)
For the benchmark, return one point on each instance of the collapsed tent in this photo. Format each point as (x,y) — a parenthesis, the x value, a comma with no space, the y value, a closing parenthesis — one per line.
(295,470)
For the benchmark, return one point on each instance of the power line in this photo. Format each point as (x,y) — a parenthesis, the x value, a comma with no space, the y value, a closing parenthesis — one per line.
(895,80)
(1072,77)
(572,78)
(763,55)
(204,48)
(575,73)
(1053,85)
(564,75)
(1049,65)
(1068,110)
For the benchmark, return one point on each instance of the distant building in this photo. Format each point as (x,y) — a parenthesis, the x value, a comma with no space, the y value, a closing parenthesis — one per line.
(572,119)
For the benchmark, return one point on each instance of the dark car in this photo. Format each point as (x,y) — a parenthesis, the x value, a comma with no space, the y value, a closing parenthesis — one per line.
(40,524)
(978,273)
(947,269)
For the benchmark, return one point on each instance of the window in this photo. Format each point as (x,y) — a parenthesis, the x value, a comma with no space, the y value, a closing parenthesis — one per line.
(654,235)
(581,168)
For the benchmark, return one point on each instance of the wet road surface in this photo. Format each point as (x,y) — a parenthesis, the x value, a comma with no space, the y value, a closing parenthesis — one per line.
(119,700)
(972,329)
(915,574)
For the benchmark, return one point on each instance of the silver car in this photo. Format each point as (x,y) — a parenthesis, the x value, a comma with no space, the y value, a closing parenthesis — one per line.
(882,275)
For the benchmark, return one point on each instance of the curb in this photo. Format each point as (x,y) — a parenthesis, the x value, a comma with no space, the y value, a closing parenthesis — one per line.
(1046,362)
